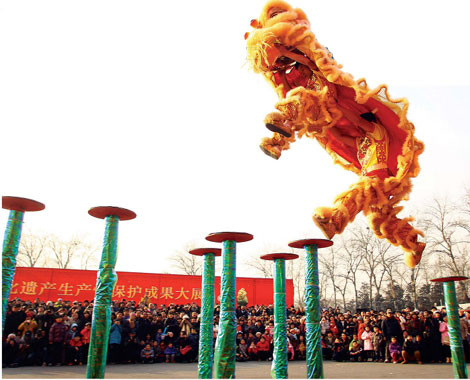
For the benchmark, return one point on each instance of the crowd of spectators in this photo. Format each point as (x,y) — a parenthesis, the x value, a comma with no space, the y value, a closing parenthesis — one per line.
(58,333)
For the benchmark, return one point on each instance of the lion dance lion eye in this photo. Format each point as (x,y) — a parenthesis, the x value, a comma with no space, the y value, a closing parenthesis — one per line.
(273,12)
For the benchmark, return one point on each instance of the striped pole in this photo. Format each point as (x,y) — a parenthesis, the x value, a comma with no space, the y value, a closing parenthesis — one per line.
(206,340)
(453,325)
(280,352)
(225,346)
(314,357)
(105,282)
(11,242)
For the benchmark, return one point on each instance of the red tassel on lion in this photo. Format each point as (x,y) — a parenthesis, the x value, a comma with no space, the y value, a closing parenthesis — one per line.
(363,129)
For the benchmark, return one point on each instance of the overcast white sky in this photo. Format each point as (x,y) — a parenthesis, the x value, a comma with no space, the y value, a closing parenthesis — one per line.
(150,106)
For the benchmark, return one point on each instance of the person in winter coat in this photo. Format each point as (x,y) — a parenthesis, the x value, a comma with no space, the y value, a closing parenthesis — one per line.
(57,341)
(395,350)
(390,328)
(378,344)
(445,340)
(355,352)
(115,339)
(410,351)
(263,347)
(368,346)
(170,353)
(147,354)
(253,351)
(86,333)
(74,350)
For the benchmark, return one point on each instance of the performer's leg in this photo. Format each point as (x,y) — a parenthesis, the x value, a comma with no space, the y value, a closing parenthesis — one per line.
(397,231)
(334,220)
(274,146)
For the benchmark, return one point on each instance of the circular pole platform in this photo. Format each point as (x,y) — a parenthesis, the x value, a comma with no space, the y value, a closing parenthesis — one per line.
(274,256)
(447,279)
(102,212)
(205,251)
(21,204)
(220,237)
(302,243)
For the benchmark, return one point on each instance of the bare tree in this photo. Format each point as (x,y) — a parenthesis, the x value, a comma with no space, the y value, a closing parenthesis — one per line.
(390,258)
(187,263)
(371,249)
(445,238)
(65,252)
(329,263)
(352,261)
(88,256)
(296,271)
(33,248)
(263,267)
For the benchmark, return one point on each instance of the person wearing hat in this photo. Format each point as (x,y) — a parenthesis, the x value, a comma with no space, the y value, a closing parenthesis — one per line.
(57,340)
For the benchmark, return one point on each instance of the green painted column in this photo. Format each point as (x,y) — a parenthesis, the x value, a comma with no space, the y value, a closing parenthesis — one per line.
(206,339)
(280,349)
(280,352)
(105,282)
(455,335)
(11,243)
(314,357)
(225,348)
(101,322)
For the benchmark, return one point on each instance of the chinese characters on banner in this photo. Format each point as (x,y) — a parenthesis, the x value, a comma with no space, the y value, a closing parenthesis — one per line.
(78,285)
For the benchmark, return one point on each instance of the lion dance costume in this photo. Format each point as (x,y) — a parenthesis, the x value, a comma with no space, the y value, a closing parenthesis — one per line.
(363,129)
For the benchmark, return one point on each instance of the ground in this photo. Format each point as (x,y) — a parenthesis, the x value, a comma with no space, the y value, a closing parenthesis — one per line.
(248,370)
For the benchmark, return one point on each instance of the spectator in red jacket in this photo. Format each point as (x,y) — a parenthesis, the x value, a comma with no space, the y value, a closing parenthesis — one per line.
(263,347)
(85,333)
(74,350)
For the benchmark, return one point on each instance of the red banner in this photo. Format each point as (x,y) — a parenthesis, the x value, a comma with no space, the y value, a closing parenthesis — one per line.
(78,285)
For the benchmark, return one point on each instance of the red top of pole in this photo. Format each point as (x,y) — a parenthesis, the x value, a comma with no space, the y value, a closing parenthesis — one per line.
(21,204)
(285,256)
(204,251)
(239,237)
(447,279)
(102,212)
(320,243)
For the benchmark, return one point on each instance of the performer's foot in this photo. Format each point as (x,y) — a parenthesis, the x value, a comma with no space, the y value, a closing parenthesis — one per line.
(325,225)
(275,122)
(272,151)
(413,258)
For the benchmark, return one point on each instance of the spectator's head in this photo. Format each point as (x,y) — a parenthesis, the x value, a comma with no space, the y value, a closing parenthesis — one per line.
(394,339)
(88,325)
(59,318)
(77,337)
(418,338)
(148,347)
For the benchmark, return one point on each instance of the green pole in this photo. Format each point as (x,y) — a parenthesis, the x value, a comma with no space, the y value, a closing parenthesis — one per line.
(279,365)
(101,322)
(206,352)
(225,347)
(11,243)
(314,357)
(455,335)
